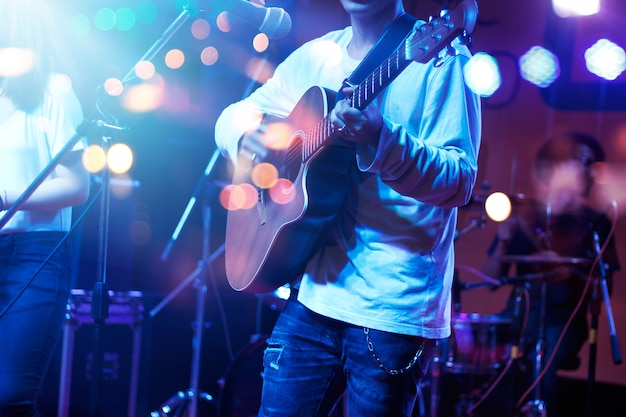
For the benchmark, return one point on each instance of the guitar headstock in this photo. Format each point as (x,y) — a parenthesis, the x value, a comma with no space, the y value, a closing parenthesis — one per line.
(431,37)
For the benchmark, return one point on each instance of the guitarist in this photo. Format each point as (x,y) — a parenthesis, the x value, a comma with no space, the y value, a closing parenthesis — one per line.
(374,300)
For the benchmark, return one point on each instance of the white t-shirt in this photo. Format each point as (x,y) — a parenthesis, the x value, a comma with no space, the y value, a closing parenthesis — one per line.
(28,141)
(392,261)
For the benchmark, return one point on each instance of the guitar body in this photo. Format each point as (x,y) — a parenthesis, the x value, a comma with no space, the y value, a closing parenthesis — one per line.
(268,245)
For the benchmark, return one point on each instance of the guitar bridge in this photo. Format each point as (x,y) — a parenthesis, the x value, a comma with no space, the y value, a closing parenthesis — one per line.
(261,205)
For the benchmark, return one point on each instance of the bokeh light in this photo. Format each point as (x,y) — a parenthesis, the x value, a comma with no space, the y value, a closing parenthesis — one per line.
(104,19)
(145,70)
(209,56)
(259,69)
(200,29)
(482,74)
(498,207)
(120,158)
(145,97)
(113,87)
(605,59)
(264,175)
(568,8)
(283,192)
(261,42)
(146,12)
(238,197)
(222,22)
(539,66)
(277,135)
(125,19)
(80,25)
(94,159)
(16,61)
(175,58)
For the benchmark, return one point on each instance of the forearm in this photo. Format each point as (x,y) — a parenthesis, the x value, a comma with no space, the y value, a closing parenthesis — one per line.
(68,187)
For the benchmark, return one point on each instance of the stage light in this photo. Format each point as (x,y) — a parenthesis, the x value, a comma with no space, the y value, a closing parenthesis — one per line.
(482,74)
(578,88)
(568,8)
(498,207)
(539,66)
(605,59)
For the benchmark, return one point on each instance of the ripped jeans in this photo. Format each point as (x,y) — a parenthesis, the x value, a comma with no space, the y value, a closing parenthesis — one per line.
(311,361)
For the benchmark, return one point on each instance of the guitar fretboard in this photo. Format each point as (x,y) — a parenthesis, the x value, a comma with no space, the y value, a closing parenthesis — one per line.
(421,45)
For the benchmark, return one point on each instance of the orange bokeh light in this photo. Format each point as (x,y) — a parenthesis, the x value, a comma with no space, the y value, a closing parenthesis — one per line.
(264,175)
(238,197)
(283,191)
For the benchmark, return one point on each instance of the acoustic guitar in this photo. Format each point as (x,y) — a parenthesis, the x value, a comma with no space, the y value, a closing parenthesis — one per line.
(268,243)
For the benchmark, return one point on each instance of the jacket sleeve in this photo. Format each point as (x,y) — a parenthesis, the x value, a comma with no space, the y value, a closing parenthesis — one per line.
(434,158)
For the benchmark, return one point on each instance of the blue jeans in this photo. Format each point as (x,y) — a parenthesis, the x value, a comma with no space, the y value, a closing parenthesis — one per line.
(30,327)
(310,360)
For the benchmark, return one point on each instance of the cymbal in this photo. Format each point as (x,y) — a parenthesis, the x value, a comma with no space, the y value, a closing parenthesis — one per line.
(544,258)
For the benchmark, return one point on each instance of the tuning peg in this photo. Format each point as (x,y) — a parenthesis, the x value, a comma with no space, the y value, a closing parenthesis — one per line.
(465,39)
(451,50)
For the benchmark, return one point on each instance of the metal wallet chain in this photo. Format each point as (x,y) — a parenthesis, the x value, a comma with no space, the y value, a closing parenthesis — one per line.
(370,347)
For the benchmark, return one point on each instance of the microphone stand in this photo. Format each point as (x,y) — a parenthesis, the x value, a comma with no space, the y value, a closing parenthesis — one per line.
(188,400)
(99,308)
(600,292)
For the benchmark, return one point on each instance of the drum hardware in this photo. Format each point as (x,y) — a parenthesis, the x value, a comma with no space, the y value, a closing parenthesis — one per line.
(544,258)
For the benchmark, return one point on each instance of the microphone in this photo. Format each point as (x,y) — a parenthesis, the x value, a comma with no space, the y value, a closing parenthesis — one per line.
(272,21)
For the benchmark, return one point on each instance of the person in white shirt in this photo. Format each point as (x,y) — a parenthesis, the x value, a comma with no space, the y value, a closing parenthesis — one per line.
(39,113)
(374,298)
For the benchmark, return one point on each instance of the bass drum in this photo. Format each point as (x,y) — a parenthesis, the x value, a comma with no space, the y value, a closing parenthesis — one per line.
(240,394)
(479,344)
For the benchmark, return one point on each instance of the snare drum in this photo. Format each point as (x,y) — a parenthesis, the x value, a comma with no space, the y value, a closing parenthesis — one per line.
(479,344)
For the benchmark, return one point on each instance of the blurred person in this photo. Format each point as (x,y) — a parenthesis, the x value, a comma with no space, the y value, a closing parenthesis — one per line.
(37,118)
(551,235)
(374,299)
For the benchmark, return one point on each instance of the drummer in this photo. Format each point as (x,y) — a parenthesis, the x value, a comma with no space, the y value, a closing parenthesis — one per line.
(555,231)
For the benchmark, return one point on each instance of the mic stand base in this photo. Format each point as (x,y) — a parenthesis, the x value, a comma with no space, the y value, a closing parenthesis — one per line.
(179,404)
(535,408)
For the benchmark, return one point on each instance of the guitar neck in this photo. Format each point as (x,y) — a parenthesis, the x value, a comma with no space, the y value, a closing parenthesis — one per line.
(423,44)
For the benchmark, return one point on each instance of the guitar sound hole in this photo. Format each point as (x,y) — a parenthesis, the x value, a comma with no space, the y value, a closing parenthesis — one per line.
(292,158)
